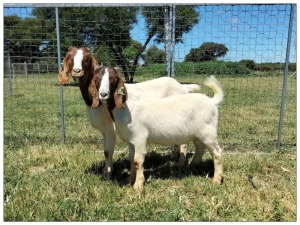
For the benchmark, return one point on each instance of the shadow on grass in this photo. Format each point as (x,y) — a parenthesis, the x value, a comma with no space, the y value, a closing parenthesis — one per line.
(156,166)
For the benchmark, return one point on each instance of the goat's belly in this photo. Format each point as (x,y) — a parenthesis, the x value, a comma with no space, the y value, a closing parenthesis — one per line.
(169,140)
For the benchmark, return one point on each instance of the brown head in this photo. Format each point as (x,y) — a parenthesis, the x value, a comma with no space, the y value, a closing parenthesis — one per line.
(112,90)
(79,62)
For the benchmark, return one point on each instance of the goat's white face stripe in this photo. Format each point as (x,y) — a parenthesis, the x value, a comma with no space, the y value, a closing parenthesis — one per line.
(104,87)
(78,60)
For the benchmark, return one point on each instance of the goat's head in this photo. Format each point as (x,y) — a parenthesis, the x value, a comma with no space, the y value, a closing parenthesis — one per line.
(79,62)
(112,90)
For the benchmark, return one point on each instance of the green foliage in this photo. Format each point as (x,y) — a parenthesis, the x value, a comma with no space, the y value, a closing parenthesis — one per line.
(208,51)
(81,30)
(275,66)
(23,38)
(187,69)
(104,55)
(212,68)
(154,55)
(249,63)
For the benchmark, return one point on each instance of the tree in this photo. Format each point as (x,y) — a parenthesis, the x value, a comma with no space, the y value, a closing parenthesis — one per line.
(154,55)
(186,18)
(23,38)
(105,56)
(208,51)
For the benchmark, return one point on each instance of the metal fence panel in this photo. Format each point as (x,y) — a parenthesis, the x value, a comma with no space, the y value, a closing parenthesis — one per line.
(251,70)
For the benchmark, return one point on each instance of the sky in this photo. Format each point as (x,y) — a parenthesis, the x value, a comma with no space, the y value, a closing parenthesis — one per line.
(255,32)
(251,32)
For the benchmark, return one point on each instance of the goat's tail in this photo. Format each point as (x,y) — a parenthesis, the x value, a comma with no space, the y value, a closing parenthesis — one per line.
(214,84)
(191,88)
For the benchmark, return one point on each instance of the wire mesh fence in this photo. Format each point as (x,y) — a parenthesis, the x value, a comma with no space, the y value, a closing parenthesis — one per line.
(244,46)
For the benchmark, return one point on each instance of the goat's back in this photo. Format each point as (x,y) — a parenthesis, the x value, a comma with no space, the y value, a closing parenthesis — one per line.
(156,88)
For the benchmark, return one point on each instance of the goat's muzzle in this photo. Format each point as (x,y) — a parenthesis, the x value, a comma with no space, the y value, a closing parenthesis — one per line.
(103,96)
(76,73)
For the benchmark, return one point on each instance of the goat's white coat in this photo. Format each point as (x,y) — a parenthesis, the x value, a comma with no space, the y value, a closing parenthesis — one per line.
(104,87)
(173,120)
(78,60)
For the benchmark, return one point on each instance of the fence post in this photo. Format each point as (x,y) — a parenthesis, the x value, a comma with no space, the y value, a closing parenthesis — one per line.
(9,73)
(286,69)
(170,38)
(38,65)
(61,87)
(25,68)
(13,69)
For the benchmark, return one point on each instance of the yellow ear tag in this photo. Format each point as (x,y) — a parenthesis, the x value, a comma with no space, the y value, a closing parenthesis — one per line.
(121,91)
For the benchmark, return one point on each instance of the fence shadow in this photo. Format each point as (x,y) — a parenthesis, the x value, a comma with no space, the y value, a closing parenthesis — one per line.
(156,166)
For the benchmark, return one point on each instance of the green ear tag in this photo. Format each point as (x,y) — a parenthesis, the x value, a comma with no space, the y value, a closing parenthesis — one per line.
(121,91)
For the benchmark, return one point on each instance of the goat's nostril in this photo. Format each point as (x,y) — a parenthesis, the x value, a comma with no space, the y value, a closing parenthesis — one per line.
(77,70)
(103,94)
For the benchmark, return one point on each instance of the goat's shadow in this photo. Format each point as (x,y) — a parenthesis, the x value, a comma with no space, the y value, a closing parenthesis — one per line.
(156,166)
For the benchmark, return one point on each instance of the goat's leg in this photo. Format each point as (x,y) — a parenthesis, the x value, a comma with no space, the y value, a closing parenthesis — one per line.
(179,152)
(132,167)
(137,156)
(109,141)
(175,151)
(182,155)
(138,163)
(199,152)
(216,153)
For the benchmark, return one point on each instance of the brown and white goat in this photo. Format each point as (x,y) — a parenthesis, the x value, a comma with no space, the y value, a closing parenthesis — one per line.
(174,120)
(80,63)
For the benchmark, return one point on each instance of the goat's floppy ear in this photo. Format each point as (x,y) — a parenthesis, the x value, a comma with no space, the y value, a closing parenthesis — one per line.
(95,64)
(93,91)
(63,78)
(120,94)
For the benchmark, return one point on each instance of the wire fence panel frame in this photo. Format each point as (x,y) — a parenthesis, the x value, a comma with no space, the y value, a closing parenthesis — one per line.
(256,33)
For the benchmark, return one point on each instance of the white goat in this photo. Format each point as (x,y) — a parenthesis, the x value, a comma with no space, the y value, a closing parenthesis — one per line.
(173,120)
(83,66)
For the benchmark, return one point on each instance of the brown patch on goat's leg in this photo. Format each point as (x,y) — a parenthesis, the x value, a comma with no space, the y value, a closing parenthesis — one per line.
(138,164)
(218,173)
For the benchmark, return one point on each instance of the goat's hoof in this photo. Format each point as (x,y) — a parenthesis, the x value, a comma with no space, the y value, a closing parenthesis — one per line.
(182,161)
(138,186)
(131,179)
(218,180)
(107,173)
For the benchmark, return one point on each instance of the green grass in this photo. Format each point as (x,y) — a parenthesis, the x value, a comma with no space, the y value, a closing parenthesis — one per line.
(47,181)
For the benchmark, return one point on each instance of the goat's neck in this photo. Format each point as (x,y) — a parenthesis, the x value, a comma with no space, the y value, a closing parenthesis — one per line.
(84,83)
